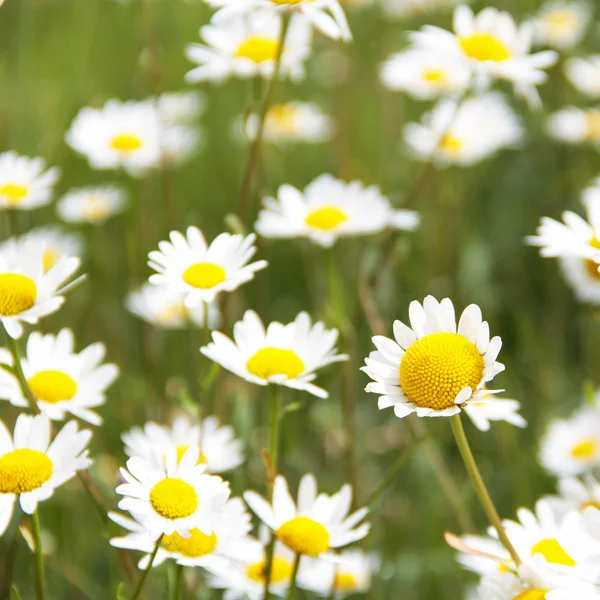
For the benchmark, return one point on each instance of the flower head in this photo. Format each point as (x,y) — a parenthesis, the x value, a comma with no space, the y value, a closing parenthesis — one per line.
(561,24)
(584,73)
(91,204)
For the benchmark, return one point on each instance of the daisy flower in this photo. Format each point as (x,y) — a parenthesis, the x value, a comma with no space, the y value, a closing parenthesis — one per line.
(466,133)
(178,497)
(32,467)
(575,494)
(484,555)
(179,143)
(27,290)
(25,183)
(219,449)
(493,46)
(63,381)
(91,204)
(285,355)
(424,75)
(119,135)
(316,524)
(247,47)
(561,24)
(584,74)
(330,208)
(163,308)
(187,265)
(575,125)
(181,107)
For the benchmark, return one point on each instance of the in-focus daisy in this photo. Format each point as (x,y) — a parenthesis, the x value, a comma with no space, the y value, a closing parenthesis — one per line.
(330,208)
(247,46)
(181,107)
(435,368)
(493,46)
(584,74)
(25,183)
(63,381)
(562,24)
(424,75)
(163,308)
(178,497)
(317,523)
(575,125)
(188,265)
(91,204)
(119,135)
(285,355)
(27,290)
(32,467)
(219,449)
(464,135)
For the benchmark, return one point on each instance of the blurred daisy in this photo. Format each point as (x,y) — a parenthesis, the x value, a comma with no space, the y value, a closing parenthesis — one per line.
(187,265)
(330,208)
(316,524)
(120,135)
(32,467)
(163,308)
(247,46)
(405,9)
(487,409)
(575,125)
(424,75)
(219,449)
(176,498)
(285,355)
(25,183)
(91,204)
(493,46)
(435,368)
(466,134)
(561,24)
(484,555)
(575,494)
(181,107)
(584,74)
(63,382)
(179,143)
(27,290)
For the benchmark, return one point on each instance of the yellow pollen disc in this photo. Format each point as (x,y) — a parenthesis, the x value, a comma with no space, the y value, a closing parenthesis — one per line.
(585,449)
(17,294)
(345,582)
(275,361)
(435,75)
(281,570)
(532,595)
(326,218)
(291,2)
(451,144)
(198,544)
(258,49)
(282,117)
(592,121)
(553,552)
(126,142)
(304,536)
(52,386)
(591,503)
(484,46)
(562,22)
(173,498)
(204,275)
(23,470)
(181,450)
(437,367)
(13,193)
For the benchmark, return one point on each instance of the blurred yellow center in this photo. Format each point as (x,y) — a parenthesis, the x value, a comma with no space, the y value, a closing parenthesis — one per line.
(532,595)
(13,192)
(304,536)
(451,144)
(198,544)
(181,450)
(592,120)
(275,361)
(49,259)
(258,49)
(97,208)
(17,294)
(173,498)
(283,118)
(174,312)
(326,218)
(437,367)
(484,46)
(23,470)
(292,2)
(345,582)
(281,570)
(562,21)
(585,449)
(590,504)
(435,75)
(553,552)
(204,275)
(52,386)
(126,142)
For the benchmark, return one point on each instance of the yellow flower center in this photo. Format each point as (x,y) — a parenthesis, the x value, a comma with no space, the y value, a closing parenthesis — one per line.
(451,144)
(173,498)
(591,503)
(291,2)
(173,312)
(181,450)
(126,142)
(17,294)
(52,386)
(585,449)
(275,361)
(281,570)
(562,22)
(258,49)
(345,582)
(204,275)
(282,117)
(437,76)
(14,193)
(592,121)
(553,552)
(532,595)
(326,218)
(437,367)
(97,208)
(304,536)
(484,46)
(198,544)
(590,265)
(23,470)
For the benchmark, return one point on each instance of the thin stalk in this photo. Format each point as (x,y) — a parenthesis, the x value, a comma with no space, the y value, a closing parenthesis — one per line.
(25,390)
(274,420)
(39,557)
(140,586)
(268,567)
(291,594)
(178,580)
(246,188)
(480,488)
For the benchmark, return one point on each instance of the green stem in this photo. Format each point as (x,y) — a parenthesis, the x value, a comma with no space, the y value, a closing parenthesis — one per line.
(39,557)
(480,488)
(274,420)
(142,581)
(27,394)
(178,580)
(292,588)
(268,567)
